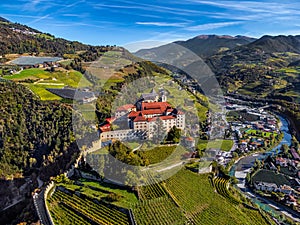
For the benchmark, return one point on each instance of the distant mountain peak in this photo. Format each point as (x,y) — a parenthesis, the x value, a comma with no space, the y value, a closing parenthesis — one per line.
(203,45)
(4,20)
(214,36)
(280,43)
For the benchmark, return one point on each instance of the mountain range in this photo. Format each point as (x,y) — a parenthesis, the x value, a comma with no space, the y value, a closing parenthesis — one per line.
(208,45)
(202,45)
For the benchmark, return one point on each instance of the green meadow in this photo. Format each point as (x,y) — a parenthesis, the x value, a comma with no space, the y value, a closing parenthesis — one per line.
(38,80)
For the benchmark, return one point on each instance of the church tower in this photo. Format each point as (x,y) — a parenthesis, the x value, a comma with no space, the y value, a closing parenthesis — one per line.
(163,98)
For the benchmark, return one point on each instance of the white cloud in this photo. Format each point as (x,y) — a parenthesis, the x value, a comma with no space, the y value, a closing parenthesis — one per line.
(83,15)
(147,7)
(39,19)
(275,8)
(211,26)
(161,24)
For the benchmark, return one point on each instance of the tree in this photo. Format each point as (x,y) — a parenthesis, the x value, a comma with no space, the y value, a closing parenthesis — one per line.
(235,155)
(248,178)
(285,149)
(173,135)
(257,164)
(159,131)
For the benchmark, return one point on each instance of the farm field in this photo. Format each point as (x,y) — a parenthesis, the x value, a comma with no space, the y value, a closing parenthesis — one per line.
(38,80)
(105,68)
(87,111)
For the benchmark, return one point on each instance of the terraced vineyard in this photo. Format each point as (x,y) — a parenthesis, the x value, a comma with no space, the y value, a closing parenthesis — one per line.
(158,211)
(82,210)
(202,205)
(151,190)
(221,186)
(185,198)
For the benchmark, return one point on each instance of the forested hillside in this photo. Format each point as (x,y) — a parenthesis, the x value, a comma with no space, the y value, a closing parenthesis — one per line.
(17,38)
(33,134)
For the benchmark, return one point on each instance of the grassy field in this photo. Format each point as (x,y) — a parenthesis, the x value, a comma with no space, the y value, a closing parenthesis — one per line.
(28,74)
(42,79)
(87,111)
(102,190)
(224,145)
(68,208)
(41,91)
(158,154)
(261,134)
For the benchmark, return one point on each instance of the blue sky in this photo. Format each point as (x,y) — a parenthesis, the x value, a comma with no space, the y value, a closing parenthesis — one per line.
(122,21)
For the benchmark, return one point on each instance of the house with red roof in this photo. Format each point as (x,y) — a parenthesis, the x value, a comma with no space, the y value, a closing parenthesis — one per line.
(122,111)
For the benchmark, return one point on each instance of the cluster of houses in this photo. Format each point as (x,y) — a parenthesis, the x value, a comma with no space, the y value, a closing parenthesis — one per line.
(290,195)
(26,31)
(272,187)
(140,120)
(265,123)
(284,165)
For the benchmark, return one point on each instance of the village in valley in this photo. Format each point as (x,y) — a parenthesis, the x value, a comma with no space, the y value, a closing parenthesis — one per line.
(227,135)
(277,177)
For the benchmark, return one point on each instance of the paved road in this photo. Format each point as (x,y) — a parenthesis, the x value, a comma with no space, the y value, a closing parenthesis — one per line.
(41,208)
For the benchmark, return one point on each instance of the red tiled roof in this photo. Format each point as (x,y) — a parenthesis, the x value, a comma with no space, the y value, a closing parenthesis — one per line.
(155,105)
(110,120)
(180,112)
(133,114)
(140,119)
(281,159)
(189,139)
(152,111)
(105,127)
(125,107)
